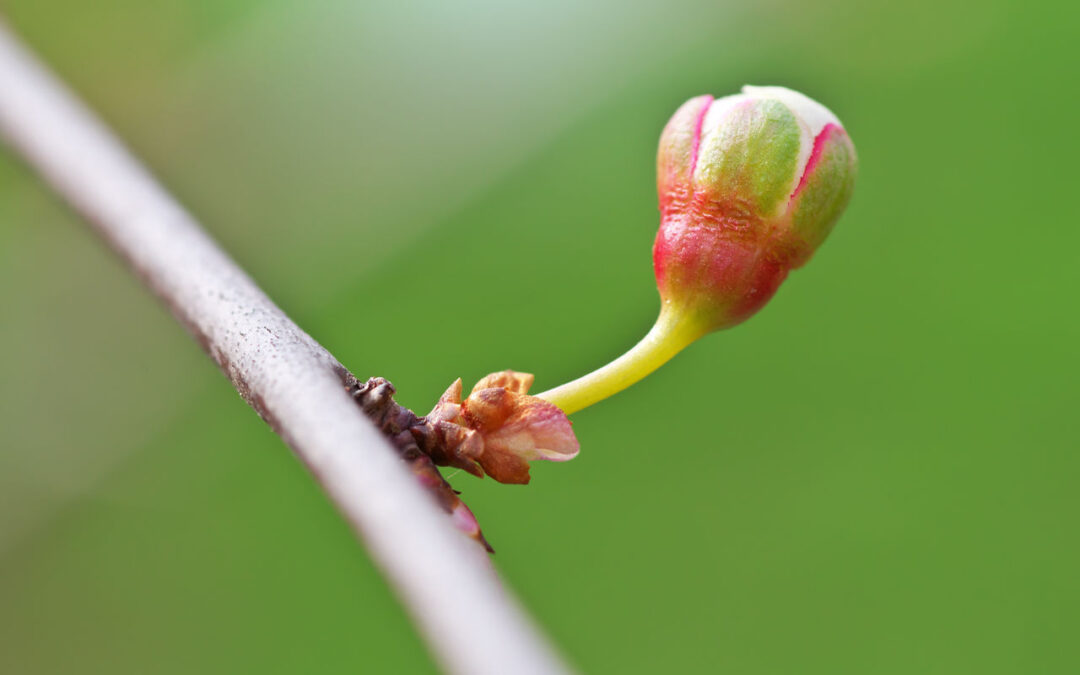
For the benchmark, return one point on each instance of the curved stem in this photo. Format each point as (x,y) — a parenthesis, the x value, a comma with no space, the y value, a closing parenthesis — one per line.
(673,331)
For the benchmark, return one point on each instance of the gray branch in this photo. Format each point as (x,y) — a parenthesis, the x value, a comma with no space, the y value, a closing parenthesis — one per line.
(446,582)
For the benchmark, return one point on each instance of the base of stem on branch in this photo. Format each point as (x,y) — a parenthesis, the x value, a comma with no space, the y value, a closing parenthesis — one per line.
(420,444)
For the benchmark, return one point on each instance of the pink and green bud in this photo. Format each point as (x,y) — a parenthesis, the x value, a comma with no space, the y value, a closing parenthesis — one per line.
(749,186)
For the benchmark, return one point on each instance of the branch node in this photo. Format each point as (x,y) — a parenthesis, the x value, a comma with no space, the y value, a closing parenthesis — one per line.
(420,445)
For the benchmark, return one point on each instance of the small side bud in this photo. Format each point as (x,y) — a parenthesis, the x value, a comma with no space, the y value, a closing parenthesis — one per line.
(499,428)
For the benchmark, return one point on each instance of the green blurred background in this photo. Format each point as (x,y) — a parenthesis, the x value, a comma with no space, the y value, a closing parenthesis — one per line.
(877,474)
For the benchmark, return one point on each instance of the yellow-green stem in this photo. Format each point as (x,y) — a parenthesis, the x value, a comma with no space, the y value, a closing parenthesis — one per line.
(672,332)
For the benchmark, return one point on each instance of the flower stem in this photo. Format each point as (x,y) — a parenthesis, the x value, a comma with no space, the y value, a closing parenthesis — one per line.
(673,331)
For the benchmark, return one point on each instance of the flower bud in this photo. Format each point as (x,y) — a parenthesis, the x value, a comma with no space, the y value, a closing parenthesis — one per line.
(749,186)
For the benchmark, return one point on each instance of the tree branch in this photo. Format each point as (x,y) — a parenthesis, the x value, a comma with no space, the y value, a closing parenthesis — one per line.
(470,622)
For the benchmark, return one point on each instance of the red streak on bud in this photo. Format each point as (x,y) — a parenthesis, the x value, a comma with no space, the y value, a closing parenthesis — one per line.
(697,137)
(827,132)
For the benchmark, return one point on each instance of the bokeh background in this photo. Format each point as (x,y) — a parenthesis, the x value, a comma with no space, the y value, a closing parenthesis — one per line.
(877,474)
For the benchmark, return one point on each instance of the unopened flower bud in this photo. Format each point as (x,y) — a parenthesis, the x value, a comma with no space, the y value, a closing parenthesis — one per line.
(749,186)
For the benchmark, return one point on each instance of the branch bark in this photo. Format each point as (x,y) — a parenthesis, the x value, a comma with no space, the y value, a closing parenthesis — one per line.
(470,622)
